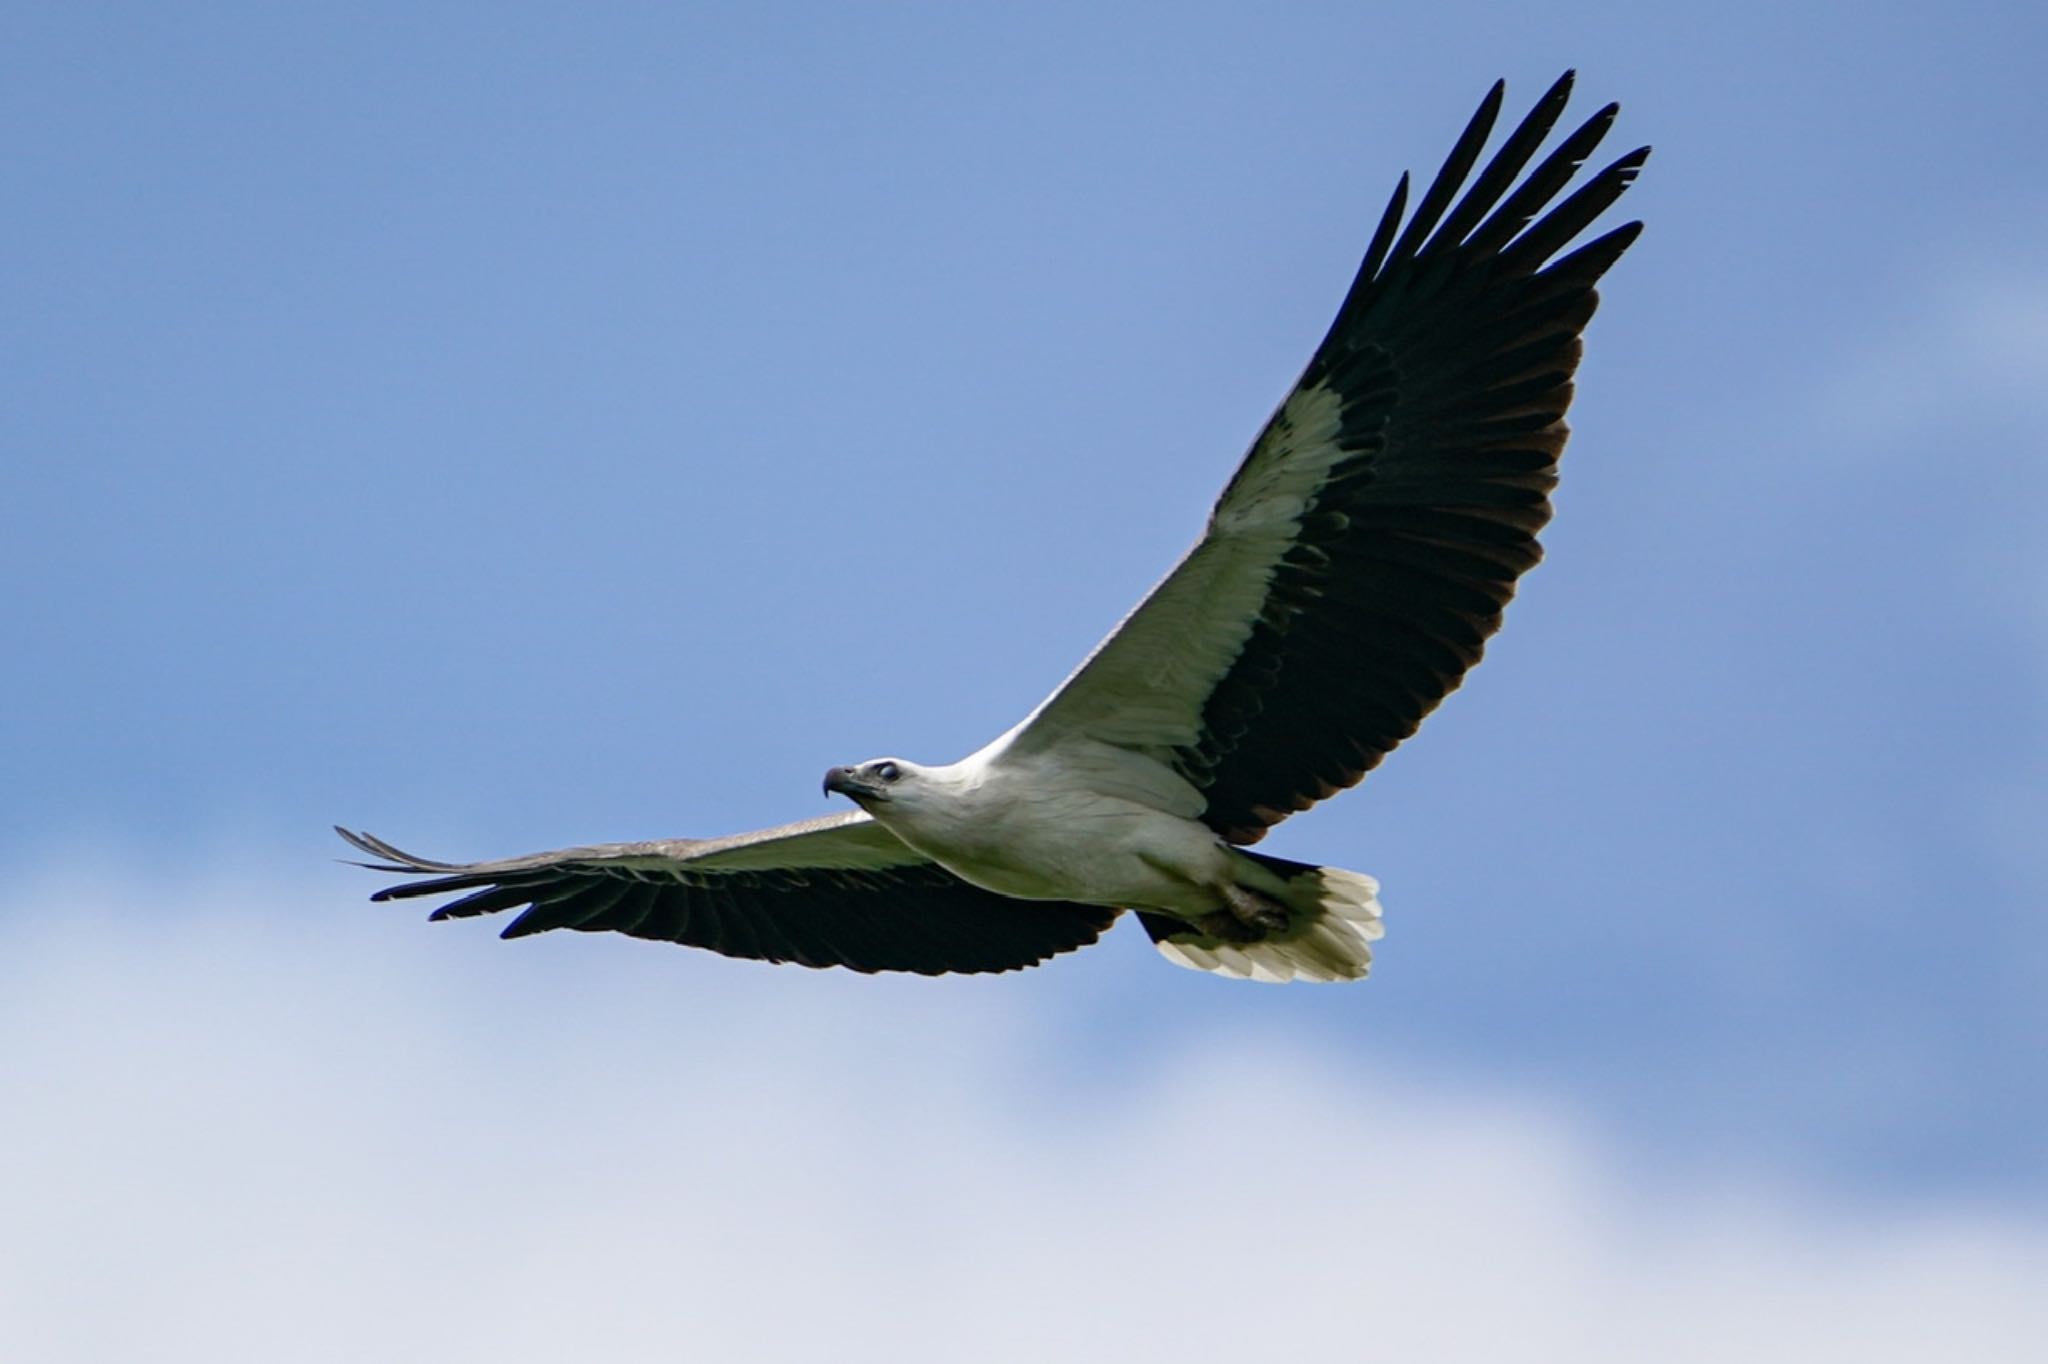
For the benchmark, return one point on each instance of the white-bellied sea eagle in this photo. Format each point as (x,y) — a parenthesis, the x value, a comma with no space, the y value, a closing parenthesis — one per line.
(1348,578)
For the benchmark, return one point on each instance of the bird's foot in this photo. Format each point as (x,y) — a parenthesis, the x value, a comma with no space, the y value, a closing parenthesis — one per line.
(1224,926)
(1247,916)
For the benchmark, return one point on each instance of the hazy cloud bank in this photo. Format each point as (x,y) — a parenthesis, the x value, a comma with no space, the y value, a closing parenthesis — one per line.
(244,1128)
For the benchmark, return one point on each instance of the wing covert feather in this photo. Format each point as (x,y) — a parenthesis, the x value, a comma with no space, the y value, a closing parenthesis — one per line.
(838,891)
(1364,551)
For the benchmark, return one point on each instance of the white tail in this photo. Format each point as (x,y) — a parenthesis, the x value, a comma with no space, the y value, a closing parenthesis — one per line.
(1336,919)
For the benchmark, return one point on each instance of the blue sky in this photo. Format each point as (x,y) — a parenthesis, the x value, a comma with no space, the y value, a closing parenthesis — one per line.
(509,426)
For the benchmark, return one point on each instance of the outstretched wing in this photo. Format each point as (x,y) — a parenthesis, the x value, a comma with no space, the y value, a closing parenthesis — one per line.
(1363,553)
(838,891)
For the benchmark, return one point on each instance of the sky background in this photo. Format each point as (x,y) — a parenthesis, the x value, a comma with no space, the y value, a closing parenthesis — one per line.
(509,426)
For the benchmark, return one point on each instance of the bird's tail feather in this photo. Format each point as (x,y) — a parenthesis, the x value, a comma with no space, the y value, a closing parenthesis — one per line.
(1335,920)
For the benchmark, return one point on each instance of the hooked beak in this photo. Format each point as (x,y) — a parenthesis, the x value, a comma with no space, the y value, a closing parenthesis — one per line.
(846,782)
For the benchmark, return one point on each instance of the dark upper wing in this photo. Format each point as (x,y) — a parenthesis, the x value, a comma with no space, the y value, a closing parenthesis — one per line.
(838,891)
(1359,559)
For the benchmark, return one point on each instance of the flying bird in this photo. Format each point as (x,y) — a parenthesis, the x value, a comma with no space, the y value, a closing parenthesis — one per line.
(1349,576)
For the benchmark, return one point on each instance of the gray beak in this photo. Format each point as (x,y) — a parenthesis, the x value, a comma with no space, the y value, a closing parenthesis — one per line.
(843,781)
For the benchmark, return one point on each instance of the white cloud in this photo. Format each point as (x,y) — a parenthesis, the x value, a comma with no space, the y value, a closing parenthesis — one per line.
(269,1131)
(1975,342)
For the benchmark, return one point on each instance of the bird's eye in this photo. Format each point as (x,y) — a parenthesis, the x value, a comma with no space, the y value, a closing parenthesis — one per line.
(888,771)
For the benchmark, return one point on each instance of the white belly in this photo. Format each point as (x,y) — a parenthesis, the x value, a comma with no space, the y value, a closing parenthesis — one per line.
(1043,844)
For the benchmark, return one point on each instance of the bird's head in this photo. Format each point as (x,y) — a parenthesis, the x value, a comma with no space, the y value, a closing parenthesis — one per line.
(877,782)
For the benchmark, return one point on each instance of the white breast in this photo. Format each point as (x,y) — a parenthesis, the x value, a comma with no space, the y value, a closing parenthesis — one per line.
(1048,830)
